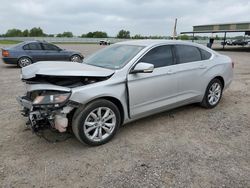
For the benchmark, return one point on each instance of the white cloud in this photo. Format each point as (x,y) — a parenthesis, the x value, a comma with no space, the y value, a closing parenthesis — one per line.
(140,17)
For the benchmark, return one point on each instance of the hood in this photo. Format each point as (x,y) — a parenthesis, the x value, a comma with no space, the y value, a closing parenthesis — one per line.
(67,68)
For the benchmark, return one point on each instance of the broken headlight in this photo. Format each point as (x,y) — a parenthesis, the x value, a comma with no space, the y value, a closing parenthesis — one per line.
(52,99)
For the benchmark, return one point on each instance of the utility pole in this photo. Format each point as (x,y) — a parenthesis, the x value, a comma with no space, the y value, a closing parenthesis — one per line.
(174,32)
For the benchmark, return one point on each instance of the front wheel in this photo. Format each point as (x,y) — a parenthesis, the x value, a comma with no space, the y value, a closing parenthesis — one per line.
(96,123)
(213,94)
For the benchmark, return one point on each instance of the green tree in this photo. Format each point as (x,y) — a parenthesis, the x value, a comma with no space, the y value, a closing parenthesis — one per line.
(99,34)
(123,34)
(14,33)
(95,34)
(26,33)
(184,37)
(83,36)
(89,35)
(138,36)
(36,32)
(65,34)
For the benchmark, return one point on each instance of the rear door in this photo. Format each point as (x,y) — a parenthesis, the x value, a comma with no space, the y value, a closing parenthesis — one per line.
(35,51)
(53,53)
(191,68)
(153,91)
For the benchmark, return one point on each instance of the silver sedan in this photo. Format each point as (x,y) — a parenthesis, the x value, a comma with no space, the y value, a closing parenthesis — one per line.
(121,83)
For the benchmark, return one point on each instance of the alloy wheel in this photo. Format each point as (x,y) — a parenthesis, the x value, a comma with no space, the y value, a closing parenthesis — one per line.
(214,93)
(99,124)
(23,62)
(75,58)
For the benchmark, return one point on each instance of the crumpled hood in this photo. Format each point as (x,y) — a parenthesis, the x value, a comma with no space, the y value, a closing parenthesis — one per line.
(61,68)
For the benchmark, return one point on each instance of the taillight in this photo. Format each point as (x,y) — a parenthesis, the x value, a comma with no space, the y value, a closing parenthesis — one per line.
(5,53)
(232,64)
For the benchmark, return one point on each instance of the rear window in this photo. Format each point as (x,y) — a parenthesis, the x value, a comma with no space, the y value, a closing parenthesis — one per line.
(32,46)
(186,53)
(205,54)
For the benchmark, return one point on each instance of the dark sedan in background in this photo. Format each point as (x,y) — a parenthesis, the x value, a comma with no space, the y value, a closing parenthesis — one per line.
(29,52)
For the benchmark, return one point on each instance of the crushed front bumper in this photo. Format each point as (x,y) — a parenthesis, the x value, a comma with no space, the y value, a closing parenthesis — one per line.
(44,117)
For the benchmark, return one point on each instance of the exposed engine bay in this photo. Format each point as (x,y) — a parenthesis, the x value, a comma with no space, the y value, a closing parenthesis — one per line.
(66,81)
(51,109)
(47,109)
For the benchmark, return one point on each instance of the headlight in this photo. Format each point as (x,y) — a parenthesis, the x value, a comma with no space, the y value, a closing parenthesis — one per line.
(51,99)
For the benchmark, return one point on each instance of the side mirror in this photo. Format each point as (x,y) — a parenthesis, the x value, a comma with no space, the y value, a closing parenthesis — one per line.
(143,68)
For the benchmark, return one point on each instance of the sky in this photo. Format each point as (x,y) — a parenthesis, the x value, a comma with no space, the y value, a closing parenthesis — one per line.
(145,17)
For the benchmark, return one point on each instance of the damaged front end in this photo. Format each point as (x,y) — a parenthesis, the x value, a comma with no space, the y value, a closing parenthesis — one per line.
(47,109)
(49,85)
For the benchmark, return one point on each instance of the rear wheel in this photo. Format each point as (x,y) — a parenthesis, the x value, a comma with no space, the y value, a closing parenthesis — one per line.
(213,94)
(24,61)
(96,123)
(76,58)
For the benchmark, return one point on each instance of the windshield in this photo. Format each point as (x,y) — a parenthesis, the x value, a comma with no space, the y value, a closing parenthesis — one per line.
(113,57)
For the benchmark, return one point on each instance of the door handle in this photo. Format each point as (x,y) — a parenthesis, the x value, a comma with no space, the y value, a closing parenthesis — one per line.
(170,72)
(203,67)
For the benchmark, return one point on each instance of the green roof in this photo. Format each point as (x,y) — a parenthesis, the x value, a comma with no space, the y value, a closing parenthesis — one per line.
(224,27)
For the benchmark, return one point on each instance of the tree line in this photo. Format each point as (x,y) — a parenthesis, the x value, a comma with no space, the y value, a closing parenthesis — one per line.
(38,32)
(122,34)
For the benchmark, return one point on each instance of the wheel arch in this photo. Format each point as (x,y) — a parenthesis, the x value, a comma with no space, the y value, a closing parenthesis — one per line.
(26,57)
(112,99)
(77,55)
(221,79)
(118,103)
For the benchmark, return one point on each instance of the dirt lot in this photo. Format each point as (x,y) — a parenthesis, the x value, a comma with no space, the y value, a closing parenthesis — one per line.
(185,147)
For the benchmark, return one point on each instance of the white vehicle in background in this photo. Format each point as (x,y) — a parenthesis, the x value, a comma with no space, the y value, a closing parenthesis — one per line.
(104,42)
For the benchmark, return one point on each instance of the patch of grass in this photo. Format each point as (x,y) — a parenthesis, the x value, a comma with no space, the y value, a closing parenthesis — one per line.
(9,42)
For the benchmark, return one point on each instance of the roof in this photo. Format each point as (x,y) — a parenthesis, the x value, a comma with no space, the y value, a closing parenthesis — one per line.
(221,28)
(148,43)
(152,42)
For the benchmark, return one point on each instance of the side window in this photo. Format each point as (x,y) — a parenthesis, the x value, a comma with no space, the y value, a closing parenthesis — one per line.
(32,46)
(187,53)
(26,47)
(159,56)
(205,54)
(47,46)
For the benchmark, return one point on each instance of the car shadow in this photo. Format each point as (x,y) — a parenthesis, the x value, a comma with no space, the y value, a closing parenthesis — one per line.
(70,140)
(168,113)
(11,67)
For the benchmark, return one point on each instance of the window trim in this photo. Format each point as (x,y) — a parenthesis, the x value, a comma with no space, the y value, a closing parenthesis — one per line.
(178,58)
(32,49)
(42,44)
(207,52)
(153,47)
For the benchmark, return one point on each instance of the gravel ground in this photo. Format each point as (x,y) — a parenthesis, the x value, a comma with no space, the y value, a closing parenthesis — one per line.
(185,147)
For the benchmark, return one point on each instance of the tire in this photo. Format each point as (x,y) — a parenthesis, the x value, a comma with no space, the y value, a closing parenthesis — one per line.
(23,62)
(213,94)
(76,58)
(93,129)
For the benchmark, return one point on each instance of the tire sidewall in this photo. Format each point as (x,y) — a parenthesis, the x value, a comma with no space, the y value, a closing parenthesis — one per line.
(205,100)
(18,62)
(74,56)
(81,117)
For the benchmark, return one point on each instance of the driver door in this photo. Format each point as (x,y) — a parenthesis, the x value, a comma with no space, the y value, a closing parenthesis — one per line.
(53,53)
(149,92)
